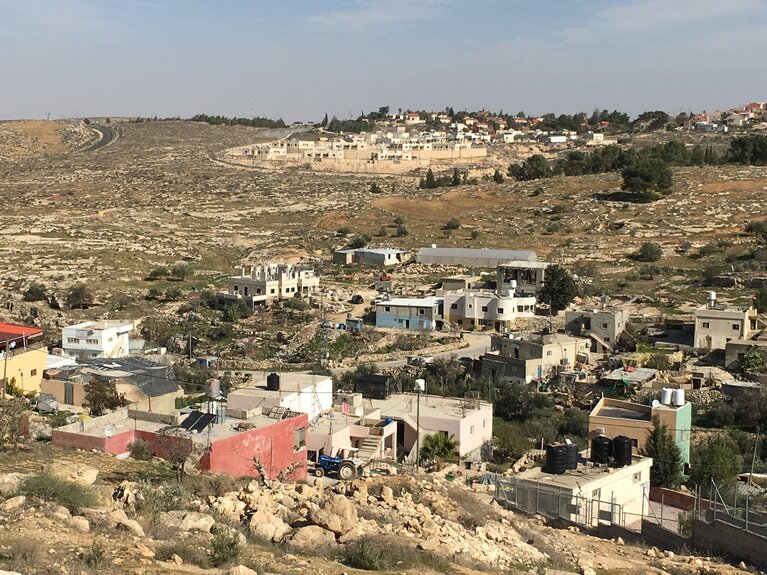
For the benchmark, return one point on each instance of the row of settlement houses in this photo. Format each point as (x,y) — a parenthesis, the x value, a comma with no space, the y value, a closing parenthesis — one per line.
(285,421)
(467,302)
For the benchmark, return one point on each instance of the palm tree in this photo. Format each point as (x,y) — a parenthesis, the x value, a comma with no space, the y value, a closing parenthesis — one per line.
(439,447)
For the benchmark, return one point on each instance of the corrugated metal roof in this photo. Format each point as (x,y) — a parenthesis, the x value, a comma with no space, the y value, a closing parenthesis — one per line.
(511,255)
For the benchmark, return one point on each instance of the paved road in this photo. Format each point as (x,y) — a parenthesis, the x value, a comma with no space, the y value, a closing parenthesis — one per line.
(479,343)
(108,135)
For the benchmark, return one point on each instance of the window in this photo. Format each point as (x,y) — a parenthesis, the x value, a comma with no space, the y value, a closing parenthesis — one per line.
(500,310)
(635,443)
(299,439)
(271,291)
(73,340)
(421,312)
(705,325)
(459,322)
(736,326)
(516,352)
(548,353)
(469,306)
(246,290)
(453,306)
(638,477)
(258,290)
(484,423)
(387,308)
(604,326)
(92,341)
(221,301)
(33,372)
(484,308)
(111,339)
(471,430)
(236,287)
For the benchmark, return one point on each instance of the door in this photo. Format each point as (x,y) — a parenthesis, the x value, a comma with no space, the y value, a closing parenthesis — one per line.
(68,393)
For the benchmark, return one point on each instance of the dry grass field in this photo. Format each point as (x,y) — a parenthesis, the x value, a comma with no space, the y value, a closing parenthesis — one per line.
(156,196)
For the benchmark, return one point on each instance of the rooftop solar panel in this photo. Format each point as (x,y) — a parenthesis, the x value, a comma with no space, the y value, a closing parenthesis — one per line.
(191,419)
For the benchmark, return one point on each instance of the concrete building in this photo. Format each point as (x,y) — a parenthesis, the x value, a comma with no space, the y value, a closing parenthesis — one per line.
(472,257)
(588,495)
(143,384)
(461,282)
(715,324)
(23,357)
(410,313)
(521,276)
(97,339)
(262,285)
(603,325)
(526,357)
(226,445)
(613,417)
(735,350)
(482,309)
(371,256)
(299,392)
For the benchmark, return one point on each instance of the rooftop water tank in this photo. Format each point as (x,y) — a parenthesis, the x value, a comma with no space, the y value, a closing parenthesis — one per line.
(273,382)
(214,388)
(571,455)
(556,459)
(600,449)
(622,447)
(677,397)
(665,396)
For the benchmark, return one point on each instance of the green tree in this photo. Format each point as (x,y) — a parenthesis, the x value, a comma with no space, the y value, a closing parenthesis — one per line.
(324,121)
(760,300)
(666,468)
(717,459)
(401,231)
(181,270)
(509,441)
(11,411)
(498,176)
(650,252)
(456,179)
(102,396)
(429,182)
(574,424)
(158,272)
(35,292)
(359,241)
(375,188)
(535,167)
(558,288)
(237,311)
(439,447)
(645,176)
(452,224)
(399,220)
(173,293)
(79,297)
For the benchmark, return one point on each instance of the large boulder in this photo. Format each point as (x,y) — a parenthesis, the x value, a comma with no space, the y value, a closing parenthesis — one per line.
(241,570)
(337,514)
(312,537)
(79,523)
(187,521)
(267,525)
(74,472)
(118,518)
(9,483)
(13,503)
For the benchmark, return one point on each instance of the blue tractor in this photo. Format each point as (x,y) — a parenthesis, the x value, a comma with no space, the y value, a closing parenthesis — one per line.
(345,469)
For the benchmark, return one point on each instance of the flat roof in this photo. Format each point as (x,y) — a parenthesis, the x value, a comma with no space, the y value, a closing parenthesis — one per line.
(14,331)
(622,413)
(102,324)
(638,375)
(573,479)
(405,405)
(509,255)
(290,382)
(430,301)
(382,251)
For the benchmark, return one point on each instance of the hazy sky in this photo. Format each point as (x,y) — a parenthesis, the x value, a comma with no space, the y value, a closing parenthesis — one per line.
(298,59)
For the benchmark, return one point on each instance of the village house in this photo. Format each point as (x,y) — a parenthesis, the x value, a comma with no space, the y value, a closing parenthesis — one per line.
(263,285)
(480,309)
(736,350)
(523,276)
(299,392)
(614,417)
(143,384)
(587,494)
(371,256)
(410,313)
(603,325)
(524,357)
(222,441)
(716,324)
(23,357)
(97,339)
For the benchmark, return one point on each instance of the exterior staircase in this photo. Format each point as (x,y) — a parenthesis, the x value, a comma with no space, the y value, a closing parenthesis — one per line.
(371,448)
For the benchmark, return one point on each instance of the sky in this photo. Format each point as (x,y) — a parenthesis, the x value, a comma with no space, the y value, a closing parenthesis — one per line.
(298,59)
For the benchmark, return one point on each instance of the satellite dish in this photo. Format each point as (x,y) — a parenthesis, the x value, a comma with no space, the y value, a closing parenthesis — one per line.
(359,411)
(109,431)
(655,403)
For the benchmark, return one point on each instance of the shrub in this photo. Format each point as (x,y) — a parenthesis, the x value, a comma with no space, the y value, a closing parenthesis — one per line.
(399,220)
(344,231)
(156,499)
(452,224)
(71,495)
(401,231)
(94,556)
(382,231)
(181,270)
(158,272)
(35,292)
(474,234)
(378,554)
(190,554)
(225,548)
(140,450)
(297,303)
(21,555)
(650,252)
(173,293)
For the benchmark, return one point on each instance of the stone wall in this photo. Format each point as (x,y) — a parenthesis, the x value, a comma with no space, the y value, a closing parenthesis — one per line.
(719,537)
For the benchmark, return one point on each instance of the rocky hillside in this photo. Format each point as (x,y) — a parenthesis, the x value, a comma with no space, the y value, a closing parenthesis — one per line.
(68,517)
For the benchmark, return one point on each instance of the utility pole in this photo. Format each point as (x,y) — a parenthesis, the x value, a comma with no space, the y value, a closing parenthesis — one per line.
(5,367)
(753,459)
(419,384)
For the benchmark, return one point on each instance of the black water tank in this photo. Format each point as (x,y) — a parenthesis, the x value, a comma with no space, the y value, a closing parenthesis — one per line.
(600,449)
(622,446)
(273,382)
(556,459)
(571,455)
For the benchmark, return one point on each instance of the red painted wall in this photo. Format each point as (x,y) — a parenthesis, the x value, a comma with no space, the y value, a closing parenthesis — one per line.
(273,445)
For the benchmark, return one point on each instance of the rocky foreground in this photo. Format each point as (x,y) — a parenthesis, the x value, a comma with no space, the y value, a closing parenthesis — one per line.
(427,523)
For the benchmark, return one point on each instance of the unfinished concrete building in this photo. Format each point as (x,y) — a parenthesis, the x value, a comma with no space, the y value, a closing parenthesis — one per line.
(262,285)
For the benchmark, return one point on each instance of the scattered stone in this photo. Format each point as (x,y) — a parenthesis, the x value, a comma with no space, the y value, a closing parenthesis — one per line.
(241,570)
(13,503)
(187,521)
(312,537)
(79,523)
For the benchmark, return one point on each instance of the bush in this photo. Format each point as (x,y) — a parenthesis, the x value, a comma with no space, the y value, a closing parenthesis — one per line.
(156,499)
(181,270)
(140,450)
(650,252)
(297,303)
(21,555)
(344,231)
(71,495)
(35,292)
(225,548)
(173,294)
(378,554)
(158,272)
(190,554)
(452,224)
(401,231)
(94,556)
(474,234)
(399,220)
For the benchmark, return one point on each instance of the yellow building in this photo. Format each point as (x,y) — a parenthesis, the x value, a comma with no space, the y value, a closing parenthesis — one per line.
(22,357)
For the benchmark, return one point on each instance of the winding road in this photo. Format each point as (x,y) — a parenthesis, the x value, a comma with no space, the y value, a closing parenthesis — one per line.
(107,135)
